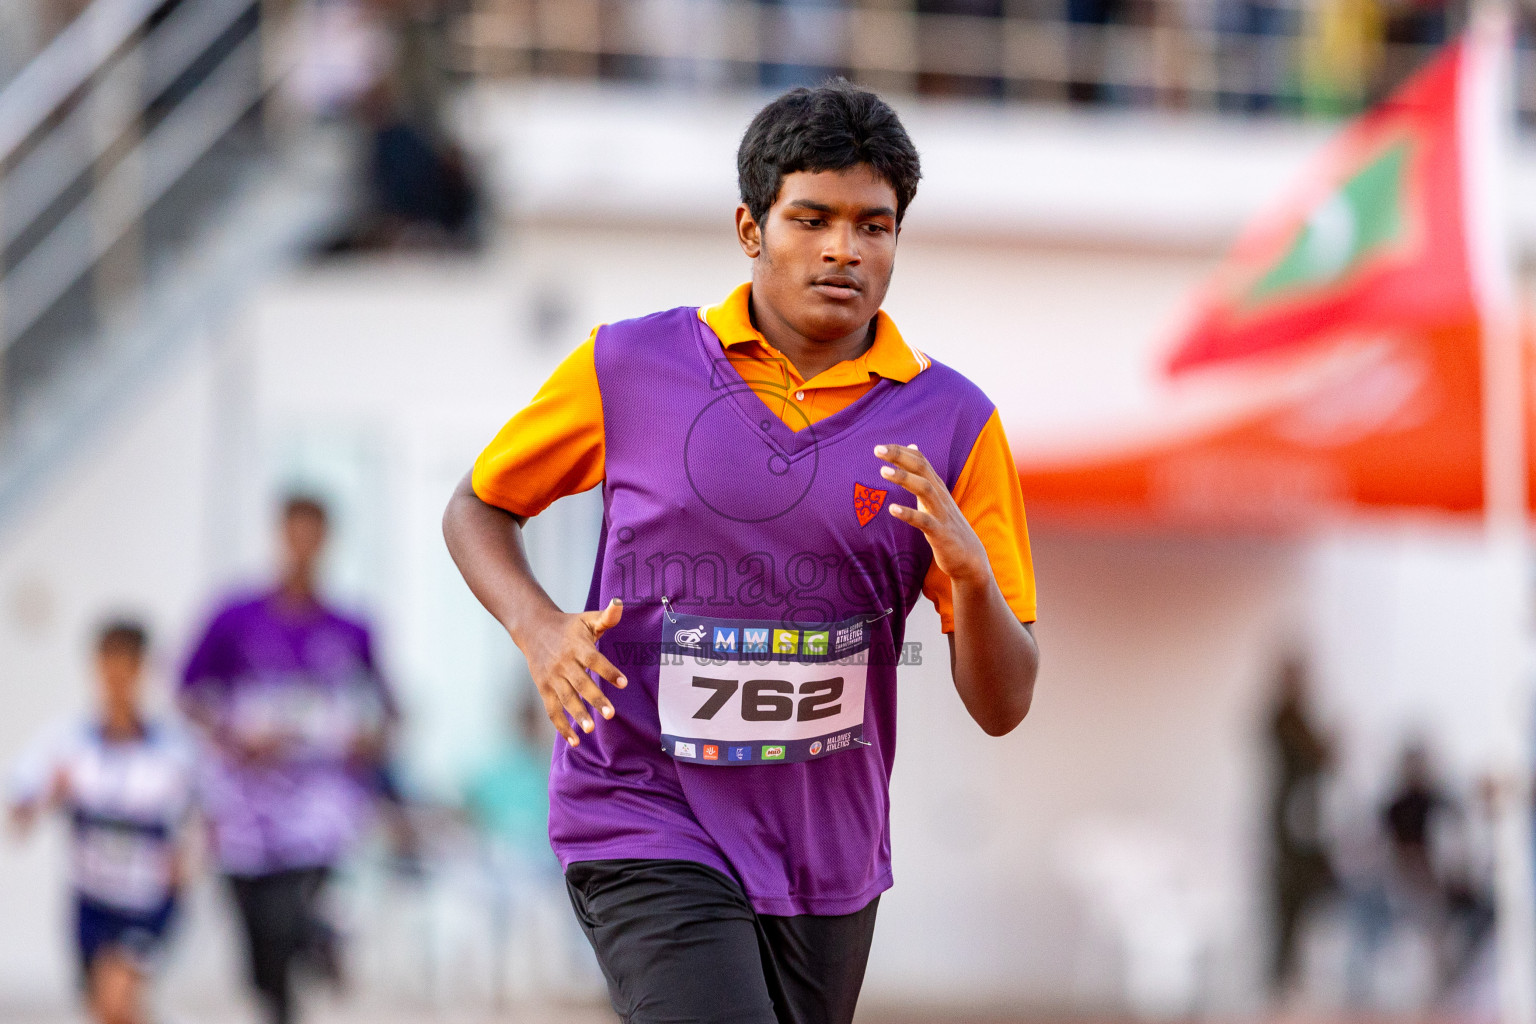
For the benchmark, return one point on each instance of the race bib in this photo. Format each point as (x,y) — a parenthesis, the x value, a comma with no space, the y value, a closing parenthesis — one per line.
(734,692)
(315,719)
(121,865)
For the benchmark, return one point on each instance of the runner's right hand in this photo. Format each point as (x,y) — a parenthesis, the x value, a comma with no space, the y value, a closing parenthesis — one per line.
(559,657)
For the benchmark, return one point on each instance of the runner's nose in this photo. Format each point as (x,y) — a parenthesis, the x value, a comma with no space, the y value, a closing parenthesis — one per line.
(842,248)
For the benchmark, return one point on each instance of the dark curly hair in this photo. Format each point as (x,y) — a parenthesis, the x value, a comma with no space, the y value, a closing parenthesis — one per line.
(122,635)
(829,128)
(301,503)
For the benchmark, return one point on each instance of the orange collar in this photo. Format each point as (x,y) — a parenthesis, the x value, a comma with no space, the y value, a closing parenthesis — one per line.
(890,355)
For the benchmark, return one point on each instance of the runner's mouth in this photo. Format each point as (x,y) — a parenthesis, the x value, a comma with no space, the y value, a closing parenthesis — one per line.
(837,287)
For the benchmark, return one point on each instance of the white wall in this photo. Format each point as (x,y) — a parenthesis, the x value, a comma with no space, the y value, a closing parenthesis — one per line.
(1114,179)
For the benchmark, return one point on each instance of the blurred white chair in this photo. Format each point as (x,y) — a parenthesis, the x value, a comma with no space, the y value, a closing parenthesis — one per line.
(1161,904)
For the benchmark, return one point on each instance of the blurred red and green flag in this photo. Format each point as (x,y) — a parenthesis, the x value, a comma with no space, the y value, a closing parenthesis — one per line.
(1373,238)
(1332,363)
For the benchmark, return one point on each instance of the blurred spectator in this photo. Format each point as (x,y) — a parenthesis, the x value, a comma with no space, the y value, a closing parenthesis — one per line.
(1342,56)
(343,52)
(1362,864)
(1260,50)
(800,28)
(125,781)
(420,191)
(1164,24)
(1435,875)
(1302,873)
(1414,30)
(297,722)
(1409,815)
(1424,22)
(1432,878)
(938,50)
(383,62)
(1089,51)
(1466,873)
(658,25)
(416,70)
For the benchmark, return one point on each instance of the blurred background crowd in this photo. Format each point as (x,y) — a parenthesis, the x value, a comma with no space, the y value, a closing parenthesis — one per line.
(1306,57)
(302,257)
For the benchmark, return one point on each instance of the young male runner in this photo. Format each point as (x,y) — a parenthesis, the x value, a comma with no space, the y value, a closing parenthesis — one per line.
(296,719)
(126,783)
(721,807)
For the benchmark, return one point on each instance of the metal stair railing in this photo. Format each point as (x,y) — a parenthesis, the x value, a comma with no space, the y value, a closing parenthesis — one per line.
(135,101)
(99,127)
(70,148)
(66,64)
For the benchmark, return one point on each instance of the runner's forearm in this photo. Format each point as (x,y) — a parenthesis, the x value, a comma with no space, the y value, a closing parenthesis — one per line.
(993,657)
(486,543)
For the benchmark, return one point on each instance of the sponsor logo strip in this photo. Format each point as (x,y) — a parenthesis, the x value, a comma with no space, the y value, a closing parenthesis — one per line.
(715,640)
(711,752)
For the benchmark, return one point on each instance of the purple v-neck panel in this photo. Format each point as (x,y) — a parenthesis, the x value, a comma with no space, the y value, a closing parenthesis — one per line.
(713,503)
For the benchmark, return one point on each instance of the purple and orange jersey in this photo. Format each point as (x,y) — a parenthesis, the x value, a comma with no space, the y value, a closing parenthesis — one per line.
(765,590)
(555,446)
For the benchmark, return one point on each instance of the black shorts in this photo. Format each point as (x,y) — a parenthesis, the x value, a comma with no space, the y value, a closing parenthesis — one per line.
(132,933)
(679,944)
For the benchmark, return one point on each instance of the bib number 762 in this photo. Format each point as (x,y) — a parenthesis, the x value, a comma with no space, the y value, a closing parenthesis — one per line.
(772,700)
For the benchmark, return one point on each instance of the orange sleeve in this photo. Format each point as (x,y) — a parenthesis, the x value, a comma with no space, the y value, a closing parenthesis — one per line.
(553,447)
(988,495)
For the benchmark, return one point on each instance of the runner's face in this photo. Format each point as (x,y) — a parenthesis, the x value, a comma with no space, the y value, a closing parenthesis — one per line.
(119,670)
(303,542)
(825,251)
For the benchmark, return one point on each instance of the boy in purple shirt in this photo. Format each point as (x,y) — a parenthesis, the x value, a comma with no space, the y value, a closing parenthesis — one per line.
(727,702)
(296,719)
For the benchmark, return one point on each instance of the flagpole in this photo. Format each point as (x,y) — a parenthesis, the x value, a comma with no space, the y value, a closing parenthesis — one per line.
(1486,118)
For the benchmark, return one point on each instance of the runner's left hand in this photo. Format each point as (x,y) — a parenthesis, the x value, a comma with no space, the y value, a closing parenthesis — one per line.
(957,551)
